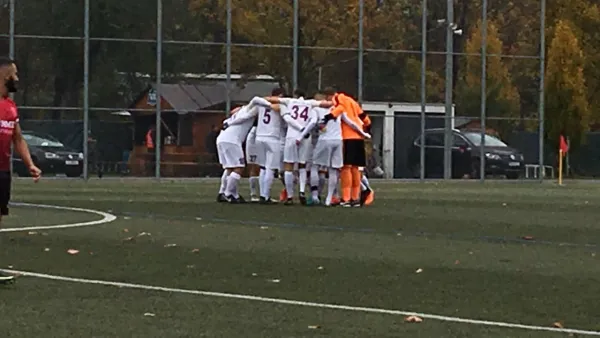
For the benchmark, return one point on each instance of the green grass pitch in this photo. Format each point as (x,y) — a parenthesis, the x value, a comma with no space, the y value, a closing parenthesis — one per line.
(516,253)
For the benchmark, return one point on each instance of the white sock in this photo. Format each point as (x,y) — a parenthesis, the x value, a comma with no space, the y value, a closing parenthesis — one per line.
(232,185)
(223,187)
(289,183)
(365,181)
(302,175)
(253,185)
(269,177)
(314,183)
(332,185)
(321,182)
(261,181)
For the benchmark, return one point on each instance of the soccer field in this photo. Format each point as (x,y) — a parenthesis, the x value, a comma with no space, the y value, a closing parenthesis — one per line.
(472,260)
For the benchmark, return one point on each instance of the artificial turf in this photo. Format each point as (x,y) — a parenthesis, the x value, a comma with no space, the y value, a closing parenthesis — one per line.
(518,253)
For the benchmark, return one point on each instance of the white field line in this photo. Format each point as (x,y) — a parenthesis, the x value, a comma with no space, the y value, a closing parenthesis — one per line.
(109,218)
(106,218)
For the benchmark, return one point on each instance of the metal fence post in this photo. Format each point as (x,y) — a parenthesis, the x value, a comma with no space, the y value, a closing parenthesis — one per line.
(228,61)
(158,146)
(86,82)
(423,89)
(295,47)
(449,88)
(484,27)
(541,107)
(361,48)
(11,53)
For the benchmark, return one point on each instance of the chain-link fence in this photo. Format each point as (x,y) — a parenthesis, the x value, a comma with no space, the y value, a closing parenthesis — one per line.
(99,77)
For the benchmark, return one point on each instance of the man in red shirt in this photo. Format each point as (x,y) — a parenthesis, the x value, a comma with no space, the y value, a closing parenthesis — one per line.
(10,134)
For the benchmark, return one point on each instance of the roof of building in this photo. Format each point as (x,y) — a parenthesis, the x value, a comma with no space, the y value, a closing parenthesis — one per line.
(186,98)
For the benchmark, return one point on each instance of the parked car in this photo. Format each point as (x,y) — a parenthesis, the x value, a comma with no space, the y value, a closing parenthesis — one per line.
(51,156)
(500,159)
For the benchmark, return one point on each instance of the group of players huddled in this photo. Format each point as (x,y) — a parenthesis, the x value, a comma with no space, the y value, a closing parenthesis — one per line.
(297,140)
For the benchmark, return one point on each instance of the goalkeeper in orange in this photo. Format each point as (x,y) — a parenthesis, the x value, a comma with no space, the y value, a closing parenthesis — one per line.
(353,145)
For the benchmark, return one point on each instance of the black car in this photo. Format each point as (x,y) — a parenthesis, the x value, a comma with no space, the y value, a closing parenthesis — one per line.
(500,158)
(51,156)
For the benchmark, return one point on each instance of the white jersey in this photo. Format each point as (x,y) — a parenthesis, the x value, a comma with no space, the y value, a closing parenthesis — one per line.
(251,138)
(269,124)
(240,124)
(301,111)
(333,128)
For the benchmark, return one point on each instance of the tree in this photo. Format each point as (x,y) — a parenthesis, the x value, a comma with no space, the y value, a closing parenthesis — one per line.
(567,108)
(322,29)
(502,97)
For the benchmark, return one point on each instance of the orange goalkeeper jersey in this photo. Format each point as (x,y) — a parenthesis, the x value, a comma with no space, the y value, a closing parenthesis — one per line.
(343,103)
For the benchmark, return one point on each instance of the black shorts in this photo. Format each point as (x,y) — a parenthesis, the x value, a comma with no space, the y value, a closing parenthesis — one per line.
(5,181)
(354,153)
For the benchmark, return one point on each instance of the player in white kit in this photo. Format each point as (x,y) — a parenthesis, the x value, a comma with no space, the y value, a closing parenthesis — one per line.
(296,149)
(269,129)
(328,152)
(252,163)
(231,154)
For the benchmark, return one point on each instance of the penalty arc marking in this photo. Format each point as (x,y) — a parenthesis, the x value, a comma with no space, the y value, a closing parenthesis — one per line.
(107,218)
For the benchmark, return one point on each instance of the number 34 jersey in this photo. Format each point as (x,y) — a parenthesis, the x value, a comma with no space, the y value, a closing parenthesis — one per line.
(301,111)
(269,124)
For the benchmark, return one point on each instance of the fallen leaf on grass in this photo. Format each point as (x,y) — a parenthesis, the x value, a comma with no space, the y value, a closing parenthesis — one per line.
(125,230)
(129,239)
(456,262)
(72,252)
(126,217)
(32,233)
(275,280)
(314,327)
(141,234)
(254,274)
(149,314)
(528,238)
(264,227)
(594,254)
(419,270)
(558,325)
(198,218)
(44,234)
(191,266)
(47,249)
(170,245)
(413,319)
(320,268)
(10,266)
(195,250)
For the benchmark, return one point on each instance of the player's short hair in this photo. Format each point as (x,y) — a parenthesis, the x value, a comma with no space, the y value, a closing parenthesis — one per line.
(299,93)
(277,91)
(329,91)
(5,61)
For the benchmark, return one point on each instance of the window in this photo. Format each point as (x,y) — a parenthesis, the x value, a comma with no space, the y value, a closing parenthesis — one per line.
(490,140)
(37,141)
(458,141)
(434,140)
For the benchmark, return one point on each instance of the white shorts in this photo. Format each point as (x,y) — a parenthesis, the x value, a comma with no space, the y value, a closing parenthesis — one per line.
(293,153)
(252,152)
(269,154)
(231,155)
(329,154)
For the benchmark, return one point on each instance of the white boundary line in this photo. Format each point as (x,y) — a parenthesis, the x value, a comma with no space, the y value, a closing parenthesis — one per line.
(106,218)
(301,303)
(109,218)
